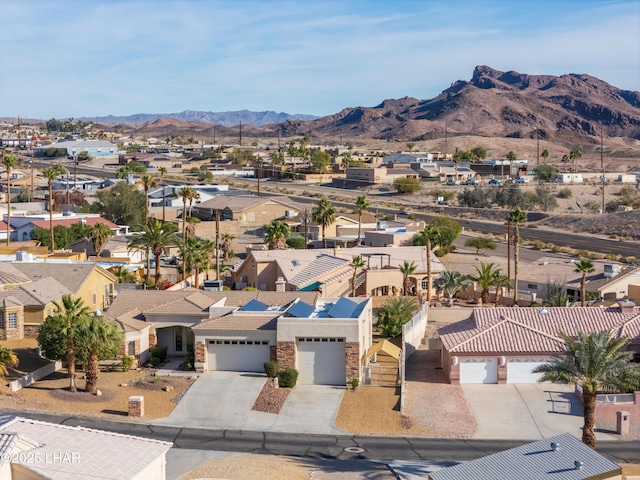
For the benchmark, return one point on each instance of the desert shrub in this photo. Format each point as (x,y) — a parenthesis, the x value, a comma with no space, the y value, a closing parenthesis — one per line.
(154,361)
(439,253)
(250,289)
(159,352)
(612,256)
(289,377)
(127,363)
(592,205)
(565,193)
(271,369)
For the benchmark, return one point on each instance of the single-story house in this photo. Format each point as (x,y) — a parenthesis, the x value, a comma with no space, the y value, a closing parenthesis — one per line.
(504,345)
(24,225)
(562,457)
(326,339)
(95,148)
(38,450)
(246,210)
(116,247)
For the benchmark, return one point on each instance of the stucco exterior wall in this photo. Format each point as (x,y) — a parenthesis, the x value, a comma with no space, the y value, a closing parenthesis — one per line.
(93,291)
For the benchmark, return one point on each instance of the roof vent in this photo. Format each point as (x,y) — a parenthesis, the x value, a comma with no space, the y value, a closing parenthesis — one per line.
(543,311)
(555,446)
(578,464)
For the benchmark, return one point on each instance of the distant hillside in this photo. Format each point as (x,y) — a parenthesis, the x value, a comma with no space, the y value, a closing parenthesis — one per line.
(227,119)
(492,104)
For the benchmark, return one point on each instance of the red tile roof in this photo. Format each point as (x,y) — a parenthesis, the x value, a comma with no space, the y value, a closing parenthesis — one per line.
(533,330)
(68,222)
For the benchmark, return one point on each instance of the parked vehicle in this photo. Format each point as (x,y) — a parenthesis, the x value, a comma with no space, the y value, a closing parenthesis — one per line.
(472,181)
(495,181)
(522,180)
(451,182)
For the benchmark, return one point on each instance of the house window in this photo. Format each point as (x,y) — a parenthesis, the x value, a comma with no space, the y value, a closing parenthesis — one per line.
(12,320)
(131,349)
(532,286)
(425,283)
(95,298)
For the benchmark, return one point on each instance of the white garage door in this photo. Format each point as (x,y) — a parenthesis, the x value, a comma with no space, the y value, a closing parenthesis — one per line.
(479,370)
(519,370)
(321,361)
(238,355)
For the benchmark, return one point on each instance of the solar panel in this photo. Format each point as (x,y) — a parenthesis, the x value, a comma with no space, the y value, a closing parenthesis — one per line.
(343,308)
(301,310)
(254,306)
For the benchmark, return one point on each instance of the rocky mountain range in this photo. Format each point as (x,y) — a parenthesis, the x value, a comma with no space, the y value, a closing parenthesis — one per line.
(492,104)
(226,119)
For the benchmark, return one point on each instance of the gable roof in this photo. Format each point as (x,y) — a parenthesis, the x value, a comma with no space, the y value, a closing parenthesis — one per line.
(96,450)
(523,330)
(40,293)
(10,275)
(534,461)
(132,321)
(70,221)
(239,203)
(71,275)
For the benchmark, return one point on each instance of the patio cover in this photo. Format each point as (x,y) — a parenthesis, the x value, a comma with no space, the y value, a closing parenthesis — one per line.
(384,346)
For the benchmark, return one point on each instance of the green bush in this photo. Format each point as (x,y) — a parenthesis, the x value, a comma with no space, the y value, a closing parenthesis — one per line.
(154,361)
(565,193)
(271,369)
(439,253)
(160,352)
(127,363)
(288,377)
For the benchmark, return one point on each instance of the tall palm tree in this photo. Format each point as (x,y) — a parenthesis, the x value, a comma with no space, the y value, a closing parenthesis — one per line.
(7,359)
(357,263)
(226,240)
(71,313)
(99,236)
(324,215)
(451,282)
(485,277)
(545,155)
(147,183)
(594,362)
(102,338)
(9,162)
(199,255)
(429,236)
(407,269)
(574,155)
(584,266)
(51,173)
(275,234)
(163,171)
(516,218)
(185,193)
(155,236)
(193,196)
(362,204)
(501,282)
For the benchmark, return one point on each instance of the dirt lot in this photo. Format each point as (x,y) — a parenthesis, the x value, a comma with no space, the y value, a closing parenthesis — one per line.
(52,394)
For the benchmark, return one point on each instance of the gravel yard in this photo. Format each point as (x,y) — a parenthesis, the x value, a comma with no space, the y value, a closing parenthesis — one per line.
(52,394)
(271,399)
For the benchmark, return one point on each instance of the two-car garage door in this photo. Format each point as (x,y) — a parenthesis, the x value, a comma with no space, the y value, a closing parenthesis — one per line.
(238,355)
(321,361)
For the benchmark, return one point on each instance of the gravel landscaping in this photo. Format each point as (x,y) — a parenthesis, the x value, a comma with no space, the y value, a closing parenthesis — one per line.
(271,399)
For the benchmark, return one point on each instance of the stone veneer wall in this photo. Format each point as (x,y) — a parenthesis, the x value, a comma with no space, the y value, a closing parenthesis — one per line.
(153,339)
(273,353)
(352,360)
(286,355)
(200,353)
(31,330)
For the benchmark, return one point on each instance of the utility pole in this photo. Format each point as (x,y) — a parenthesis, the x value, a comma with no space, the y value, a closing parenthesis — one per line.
(259,175)
(602,166)
(75,173)
(509,254)
(33,149)
(240,133)
(306,228)
(538,146)
(217,244)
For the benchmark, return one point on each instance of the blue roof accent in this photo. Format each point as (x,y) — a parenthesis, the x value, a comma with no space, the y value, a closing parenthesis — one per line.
(254,306)
(301,310)
(311,287)
(343,308)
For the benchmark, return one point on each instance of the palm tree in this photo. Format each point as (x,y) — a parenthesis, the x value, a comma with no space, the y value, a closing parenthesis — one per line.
(545,155)
(185,193)
(190,230)
(123,275)
(501,282)
(163,172)
(357,262)
(429,236)
(574,155)
(565,160)
(226,240)
(9,162)
(276,234)
(407,269)
(594,362)
(7,359)
(394,314)
(557,300)
(102,338)
(71,313)
(584,266)
(155,236)
(324,215)
(147,182)
(194,196)
(485,277)
(51,173)
(516,218)
(451,282)
(99,236)
(362,204)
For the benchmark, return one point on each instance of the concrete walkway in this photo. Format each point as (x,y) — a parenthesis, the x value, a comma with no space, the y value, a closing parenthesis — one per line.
(223,400)
(526,411)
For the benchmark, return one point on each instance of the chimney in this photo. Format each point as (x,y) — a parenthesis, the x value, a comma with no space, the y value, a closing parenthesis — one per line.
(627,306)
(280,284)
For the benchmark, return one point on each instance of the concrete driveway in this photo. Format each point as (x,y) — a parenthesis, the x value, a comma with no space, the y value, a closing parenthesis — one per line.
(223,400)
(526,411)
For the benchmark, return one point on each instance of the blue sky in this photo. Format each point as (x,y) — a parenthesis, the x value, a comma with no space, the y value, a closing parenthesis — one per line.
(88,58)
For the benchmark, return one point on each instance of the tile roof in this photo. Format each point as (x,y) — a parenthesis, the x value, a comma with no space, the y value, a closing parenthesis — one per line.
(132,321)
(10,275)
(70,221)
(95,450)
(534,461)
(40,292)
(71,275)
(10,301)
(242,202)
(522,330)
